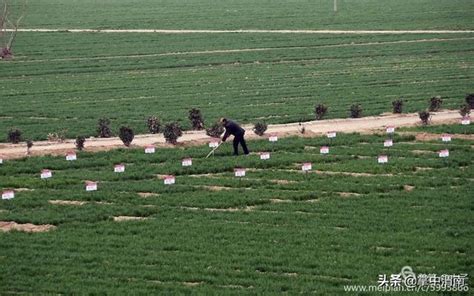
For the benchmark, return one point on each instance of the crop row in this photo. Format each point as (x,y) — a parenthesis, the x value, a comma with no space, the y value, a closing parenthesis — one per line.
(50,93)
(248,14)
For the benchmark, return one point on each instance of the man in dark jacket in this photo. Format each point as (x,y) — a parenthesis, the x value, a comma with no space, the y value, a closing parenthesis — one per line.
(232,128)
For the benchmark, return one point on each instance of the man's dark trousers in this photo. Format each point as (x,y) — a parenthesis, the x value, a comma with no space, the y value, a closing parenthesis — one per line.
(239,138)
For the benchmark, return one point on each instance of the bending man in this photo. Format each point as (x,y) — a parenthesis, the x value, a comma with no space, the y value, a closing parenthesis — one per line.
(232,128)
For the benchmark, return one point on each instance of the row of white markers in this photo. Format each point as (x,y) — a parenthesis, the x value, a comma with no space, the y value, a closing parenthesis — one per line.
(238,172)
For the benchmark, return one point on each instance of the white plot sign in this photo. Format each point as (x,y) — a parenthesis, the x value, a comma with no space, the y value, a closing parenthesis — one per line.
(1,160)
(214,143)
(307,166)
(446,138)
(382,159)
(324,150)
(91,186)
(8,194)
(119,168)
(388,143)
(265,155)
(169,180)
(273,138)
(390,129)
(444,153)
(331,134)
(149,149)
(239,172)
(466,121)
(187,162)
(46,174)
(71,156)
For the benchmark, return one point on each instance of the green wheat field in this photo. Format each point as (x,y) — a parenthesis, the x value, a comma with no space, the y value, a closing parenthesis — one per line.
(276,230)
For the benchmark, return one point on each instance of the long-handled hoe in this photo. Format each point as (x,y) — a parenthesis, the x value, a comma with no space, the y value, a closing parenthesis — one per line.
(215,148)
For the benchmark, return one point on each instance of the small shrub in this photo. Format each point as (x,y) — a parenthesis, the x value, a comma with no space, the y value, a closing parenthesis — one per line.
(260,128)
(215,131)
(29,145)
(424,116)
(103,128)
(435,104)
(470,100)
(172,132)
(397,106)
(320,111)
(196,119)
(6,53)
(153,124)
(53,137)
(464,110)
(302,128)
(126,135)
(356,111)
(80,140)
(14,135)
(57,137)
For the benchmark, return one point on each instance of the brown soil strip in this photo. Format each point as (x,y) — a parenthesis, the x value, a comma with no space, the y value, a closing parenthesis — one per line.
(149,206)
(423,168)
(67,202)
(276,200)
(283,182)
(128,218)
(246,209)
(192,284)
(6,226)
(348,194)
(147,194)
(216,175)
(23,189)
(104,203)
(381,249)
(190,208)
(290,274)
(235,286)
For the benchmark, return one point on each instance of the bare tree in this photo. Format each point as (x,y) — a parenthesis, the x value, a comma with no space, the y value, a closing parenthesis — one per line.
(9,27)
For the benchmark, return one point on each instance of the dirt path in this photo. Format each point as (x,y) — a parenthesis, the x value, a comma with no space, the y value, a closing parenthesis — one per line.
(353,32)
(362,125)
(6,226)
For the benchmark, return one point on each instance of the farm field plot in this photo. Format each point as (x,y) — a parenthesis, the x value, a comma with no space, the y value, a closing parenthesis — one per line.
(67,81)
(275,230)
(251,14)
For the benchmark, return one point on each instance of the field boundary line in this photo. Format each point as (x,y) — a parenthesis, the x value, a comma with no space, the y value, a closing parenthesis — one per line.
(251,31)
